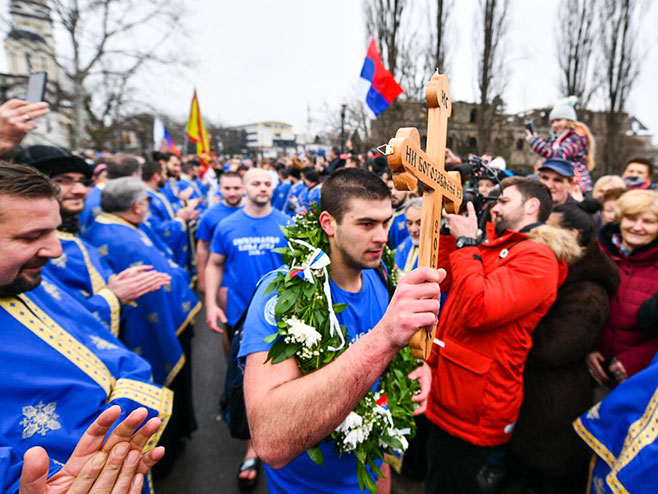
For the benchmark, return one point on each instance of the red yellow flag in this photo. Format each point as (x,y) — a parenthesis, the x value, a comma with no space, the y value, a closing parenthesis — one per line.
(196,132)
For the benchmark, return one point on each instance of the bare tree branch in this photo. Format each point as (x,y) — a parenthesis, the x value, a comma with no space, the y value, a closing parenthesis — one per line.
(491,29)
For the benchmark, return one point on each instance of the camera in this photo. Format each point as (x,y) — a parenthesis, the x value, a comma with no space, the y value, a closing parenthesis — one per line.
(475,170)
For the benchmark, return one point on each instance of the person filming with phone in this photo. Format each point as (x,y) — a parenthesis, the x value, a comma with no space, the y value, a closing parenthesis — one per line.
(17,116)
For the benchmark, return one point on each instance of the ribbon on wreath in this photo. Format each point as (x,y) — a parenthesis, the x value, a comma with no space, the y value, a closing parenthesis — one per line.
(318,260)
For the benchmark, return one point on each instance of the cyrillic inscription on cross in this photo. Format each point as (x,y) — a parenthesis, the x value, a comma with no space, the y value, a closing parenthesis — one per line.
(410,164)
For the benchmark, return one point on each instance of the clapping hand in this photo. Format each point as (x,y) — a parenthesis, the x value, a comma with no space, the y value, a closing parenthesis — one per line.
(115,466)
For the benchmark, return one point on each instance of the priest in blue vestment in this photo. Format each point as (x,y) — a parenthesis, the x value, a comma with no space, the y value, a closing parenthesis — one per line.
(60,367)
(167,220)
(79,270)
(406,253)
(121,165)
(622,431)
(160,326)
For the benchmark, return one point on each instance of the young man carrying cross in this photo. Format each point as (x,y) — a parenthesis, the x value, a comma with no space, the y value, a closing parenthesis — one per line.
(290,413)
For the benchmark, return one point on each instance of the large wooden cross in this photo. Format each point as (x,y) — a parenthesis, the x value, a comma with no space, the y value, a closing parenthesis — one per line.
(410,164)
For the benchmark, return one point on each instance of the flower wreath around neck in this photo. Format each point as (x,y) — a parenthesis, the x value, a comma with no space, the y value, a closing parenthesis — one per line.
(308,329)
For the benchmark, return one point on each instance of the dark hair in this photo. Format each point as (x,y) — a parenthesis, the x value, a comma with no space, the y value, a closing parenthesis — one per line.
(295,172)
(25,182)
(350,183)
(189,165)
(355,159)
(612,194)
(529,189)
(311,174)
(149,169)
(122,165)
(162,155)
(641,161)
(573,216)
(230,174)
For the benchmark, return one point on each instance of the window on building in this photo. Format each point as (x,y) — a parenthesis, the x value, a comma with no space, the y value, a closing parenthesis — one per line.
(474,116)
(519,144)
(472,145)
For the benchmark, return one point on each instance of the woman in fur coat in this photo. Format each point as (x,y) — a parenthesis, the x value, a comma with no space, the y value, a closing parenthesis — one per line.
(557,385)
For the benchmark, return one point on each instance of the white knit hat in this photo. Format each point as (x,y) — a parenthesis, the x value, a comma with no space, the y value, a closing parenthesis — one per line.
(564,109)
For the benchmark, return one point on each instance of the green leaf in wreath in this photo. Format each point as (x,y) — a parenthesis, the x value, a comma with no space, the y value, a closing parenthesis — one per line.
(338,308)
(289,350)
(315,453)
(271,337)
(308,289)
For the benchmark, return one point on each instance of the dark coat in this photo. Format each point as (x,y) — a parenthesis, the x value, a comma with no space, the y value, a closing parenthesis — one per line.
(623,337)
(557,386)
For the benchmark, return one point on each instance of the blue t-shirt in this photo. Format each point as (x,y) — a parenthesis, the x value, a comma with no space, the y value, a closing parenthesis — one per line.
(247,244)
(398,231)
(364,310)
(211,218)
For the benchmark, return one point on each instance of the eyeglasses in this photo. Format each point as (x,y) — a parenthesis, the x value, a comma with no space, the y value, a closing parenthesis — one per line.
(68,181)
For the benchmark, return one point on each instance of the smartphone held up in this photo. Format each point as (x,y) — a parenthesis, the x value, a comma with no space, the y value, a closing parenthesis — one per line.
(36,87)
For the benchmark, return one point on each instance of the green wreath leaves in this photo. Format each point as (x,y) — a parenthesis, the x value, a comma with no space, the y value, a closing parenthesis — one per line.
(307,329)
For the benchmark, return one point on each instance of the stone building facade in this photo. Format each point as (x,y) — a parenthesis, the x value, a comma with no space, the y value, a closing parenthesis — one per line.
(30,47)
(508,135)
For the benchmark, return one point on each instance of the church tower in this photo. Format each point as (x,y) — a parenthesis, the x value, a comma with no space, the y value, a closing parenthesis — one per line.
(30,43)
(30,47)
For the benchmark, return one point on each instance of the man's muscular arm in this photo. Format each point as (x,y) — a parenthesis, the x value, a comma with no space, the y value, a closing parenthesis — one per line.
(289,413)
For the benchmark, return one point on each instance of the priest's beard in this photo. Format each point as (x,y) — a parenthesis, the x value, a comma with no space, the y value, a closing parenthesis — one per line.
(22,283)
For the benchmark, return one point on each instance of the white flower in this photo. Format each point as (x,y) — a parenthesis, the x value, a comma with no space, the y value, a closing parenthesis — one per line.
(303,333)
(352,421)
(355,437)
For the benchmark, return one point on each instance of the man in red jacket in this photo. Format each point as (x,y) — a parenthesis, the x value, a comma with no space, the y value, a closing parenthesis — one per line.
(500,290)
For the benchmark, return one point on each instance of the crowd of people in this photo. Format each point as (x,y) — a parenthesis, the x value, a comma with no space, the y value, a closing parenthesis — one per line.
(542,373)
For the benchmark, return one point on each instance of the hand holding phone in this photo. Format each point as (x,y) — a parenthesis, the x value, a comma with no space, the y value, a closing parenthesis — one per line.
(36,87)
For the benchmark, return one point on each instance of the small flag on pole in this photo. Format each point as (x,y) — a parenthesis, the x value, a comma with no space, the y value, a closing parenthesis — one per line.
(162,141)
(196,132)
(379,88)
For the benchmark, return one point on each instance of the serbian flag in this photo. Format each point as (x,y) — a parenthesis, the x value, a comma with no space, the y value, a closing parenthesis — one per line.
(196,132)
(378,86)
(162,141)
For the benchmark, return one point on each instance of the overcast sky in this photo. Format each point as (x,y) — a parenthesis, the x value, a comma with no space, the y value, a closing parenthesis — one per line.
(271,60)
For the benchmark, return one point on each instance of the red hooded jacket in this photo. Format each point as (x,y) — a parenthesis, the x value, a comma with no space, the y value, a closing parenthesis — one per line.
(500,290)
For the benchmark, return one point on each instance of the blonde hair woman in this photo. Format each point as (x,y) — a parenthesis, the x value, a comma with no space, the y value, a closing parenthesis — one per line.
(606,183)
(632,243)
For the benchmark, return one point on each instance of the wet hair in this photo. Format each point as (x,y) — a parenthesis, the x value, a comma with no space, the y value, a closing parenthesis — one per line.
(529,189)
(574,217)
(346,184)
